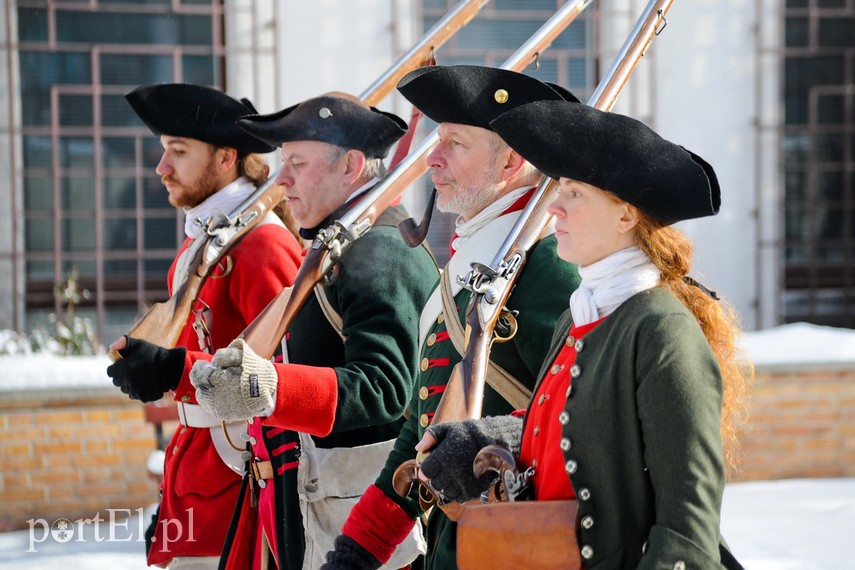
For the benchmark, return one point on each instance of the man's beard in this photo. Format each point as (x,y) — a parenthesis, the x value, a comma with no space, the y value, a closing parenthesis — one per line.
(193,194)
(469,202)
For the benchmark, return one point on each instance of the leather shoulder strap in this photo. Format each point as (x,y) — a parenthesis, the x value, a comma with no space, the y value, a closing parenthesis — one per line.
(508,387)
(332,316)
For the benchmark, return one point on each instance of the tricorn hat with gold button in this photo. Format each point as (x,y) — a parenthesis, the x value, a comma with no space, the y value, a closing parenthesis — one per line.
(473,94)
(331,119)
(615,153)
(195,112)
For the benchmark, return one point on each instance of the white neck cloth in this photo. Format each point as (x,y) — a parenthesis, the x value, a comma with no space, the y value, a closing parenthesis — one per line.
(465,229)
(222,202)
(609,282)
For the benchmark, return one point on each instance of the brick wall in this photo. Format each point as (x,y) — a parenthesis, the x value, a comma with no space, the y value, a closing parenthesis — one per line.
(801,424)
(72,453)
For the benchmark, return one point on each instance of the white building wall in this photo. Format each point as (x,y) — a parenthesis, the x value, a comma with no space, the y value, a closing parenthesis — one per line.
(706,100)
(700,85)
(330,45)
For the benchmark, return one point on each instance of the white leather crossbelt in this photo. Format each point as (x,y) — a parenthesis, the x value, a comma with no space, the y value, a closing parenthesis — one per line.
(194,415)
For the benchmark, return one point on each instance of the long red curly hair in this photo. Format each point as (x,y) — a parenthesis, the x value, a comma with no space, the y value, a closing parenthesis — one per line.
(671,251)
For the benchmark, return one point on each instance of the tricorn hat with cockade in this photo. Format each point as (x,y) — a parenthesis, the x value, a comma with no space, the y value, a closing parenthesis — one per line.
(332,119)
(474,94)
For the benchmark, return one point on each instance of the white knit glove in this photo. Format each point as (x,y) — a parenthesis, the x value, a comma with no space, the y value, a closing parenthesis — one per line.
(236,385)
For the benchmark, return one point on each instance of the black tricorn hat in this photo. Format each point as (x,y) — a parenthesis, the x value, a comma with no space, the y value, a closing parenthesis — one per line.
(474,94)
(330,119)
(195,112)
(615,153)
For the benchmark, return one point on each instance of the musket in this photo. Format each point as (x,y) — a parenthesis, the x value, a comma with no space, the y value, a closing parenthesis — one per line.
(266,331)
(491,286)
(163,322)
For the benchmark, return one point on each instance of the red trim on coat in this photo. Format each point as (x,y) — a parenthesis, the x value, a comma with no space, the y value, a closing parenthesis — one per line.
(378,524)
(306,399)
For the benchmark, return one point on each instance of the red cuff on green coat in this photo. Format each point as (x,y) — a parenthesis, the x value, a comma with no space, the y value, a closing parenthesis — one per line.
(306,399)
(378,524)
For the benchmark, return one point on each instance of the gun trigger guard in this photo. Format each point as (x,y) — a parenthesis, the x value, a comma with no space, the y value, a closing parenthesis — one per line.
(506,326)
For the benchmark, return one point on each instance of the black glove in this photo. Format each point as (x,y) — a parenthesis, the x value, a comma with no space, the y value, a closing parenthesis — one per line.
(146,371)
(449,465)
(349,555)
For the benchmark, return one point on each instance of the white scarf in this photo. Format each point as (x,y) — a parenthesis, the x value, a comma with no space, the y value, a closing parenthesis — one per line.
(611,281)
(466,228)
(223,201)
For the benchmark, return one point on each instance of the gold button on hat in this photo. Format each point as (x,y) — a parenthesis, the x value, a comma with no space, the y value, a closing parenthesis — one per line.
(501,96)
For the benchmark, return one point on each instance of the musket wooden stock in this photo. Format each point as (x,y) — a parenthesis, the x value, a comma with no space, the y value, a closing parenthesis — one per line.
(267,330)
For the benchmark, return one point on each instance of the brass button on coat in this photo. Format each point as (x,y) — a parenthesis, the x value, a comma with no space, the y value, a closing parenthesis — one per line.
(423,392)
(424,420)
(556,369)
(425,364)
(570,340)
(431,340)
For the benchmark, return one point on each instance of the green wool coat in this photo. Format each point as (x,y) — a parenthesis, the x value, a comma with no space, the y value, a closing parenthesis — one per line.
(540,296)
(643,439)
(379,288)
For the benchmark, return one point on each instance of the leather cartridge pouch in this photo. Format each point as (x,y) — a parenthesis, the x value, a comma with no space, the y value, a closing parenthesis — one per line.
(521,534)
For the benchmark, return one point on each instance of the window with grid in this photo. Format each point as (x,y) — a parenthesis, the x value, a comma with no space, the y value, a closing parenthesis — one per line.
(499,29)
(92,200)
(819,162)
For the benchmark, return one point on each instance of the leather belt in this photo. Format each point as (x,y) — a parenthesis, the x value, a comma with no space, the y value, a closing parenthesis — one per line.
(194,415)
(261,470)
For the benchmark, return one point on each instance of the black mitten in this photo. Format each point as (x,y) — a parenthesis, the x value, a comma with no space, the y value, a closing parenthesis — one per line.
(146,371)
(349,555)
(449,465)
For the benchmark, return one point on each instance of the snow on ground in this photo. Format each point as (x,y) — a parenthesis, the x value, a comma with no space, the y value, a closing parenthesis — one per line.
(799,344)
(798,524)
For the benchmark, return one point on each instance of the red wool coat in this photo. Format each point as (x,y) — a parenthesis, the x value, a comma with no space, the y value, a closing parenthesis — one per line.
(199,491)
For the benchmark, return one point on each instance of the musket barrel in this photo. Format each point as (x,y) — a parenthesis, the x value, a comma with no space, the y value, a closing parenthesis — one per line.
(413,166)
(435,37)
(605,96)
(438,34)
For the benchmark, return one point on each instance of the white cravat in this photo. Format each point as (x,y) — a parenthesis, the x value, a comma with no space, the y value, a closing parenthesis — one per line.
(466,228)
(611,281)
(222,201)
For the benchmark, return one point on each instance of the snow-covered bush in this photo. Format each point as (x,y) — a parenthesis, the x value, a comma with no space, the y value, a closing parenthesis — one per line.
(68,335)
